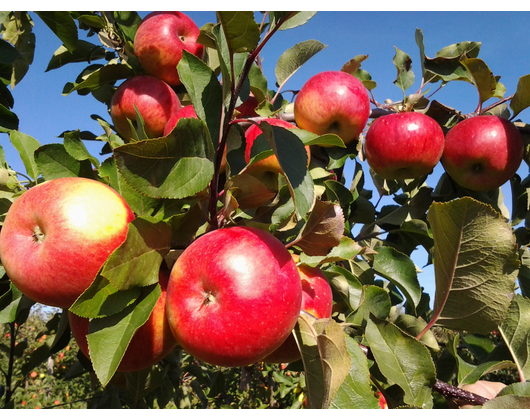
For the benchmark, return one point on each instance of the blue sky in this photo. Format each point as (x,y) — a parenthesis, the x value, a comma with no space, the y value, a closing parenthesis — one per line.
(44,112)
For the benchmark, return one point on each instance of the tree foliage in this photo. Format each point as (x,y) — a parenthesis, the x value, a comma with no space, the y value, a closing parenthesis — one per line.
(383,338)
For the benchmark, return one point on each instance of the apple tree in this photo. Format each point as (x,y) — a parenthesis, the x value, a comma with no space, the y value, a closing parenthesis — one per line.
(383,345)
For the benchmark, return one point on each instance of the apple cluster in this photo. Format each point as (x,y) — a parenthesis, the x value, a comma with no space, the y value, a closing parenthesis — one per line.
(158,44)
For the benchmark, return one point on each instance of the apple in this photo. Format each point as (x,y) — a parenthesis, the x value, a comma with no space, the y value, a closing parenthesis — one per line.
(403,145)
(248,107)
(234,295)
(155,100)
(160,40)
(185,112)
(57,235)
(270,163)
(482,153)
(333,102)
(317,299)
(150,343)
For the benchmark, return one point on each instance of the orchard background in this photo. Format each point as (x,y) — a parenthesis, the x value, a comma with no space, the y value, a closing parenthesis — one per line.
(367,295)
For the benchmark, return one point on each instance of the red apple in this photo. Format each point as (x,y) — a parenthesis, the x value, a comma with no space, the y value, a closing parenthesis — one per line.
(317,299)
(270,163)
(333,102)
(57,235)
(150,343)
(234,296)
(185,112)
(248,107)
(155,100)
(160,40)
(403,145)
(483,152)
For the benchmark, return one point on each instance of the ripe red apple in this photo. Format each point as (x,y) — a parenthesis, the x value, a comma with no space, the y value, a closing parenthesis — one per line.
(234,296)
(248,107)
(150,343)
(160,40)
(270,163)
(333,102)
(185,112)
(155,100)
(317,299)
(483,152)
(403,145)
(57,235)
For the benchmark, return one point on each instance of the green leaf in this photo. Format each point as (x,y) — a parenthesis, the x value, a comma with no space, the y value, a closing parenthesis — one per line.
(128,23)
(109,337)
(18,31)
(403,63)
(374,301)
(323,230)
(483,78)
(298,19)
(354,64)
(140,204)
(403,361)
(293,58)
(345,284)
(9,303)
(205,92)
(242,31)
(26,146)
(103,299)
(346,250)
(446,65)
(418,35)
(62,25)
(8,119)
(109,73)
(84,51)
(398,269)
(521,98)
(512,402)
(515,331)
(475,263)
(177,166)
(136,262)
(55,162)
(77,149)
(293,160)
(8,53)
(414,326)
(356,390)
(325,356)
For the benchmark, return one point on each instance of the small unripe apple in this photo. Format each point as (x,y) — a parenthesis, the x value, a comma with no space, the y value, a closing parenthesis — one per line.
(155,100)
(483,152)
(234,296)
(403,145)
(333,102)
(160,40)
(317,300)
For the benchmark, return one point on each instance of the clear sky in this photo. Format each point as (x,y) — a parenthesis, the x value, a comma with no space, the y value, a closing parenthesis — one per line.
(44,112)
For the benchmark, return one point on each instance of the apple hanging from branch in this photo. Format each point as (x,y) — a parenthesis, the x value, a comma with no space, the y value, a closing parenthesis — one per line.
(160,40)
(57,235)
(482,153)
(234,296)
(404,145)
